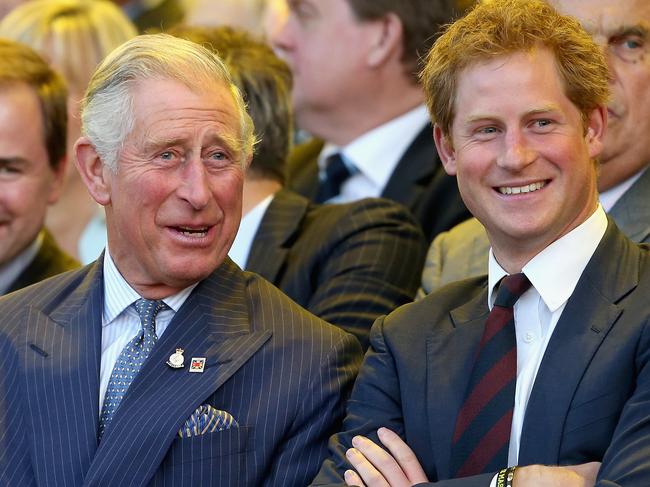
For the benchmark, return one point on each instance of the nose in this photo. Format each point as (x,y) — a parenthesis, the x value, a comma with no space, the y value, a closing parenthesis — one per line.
(516,153)
(195,186)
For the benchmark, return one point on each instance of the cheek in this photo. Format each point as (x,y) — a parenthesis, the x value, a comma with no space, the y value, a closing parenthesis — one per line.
(227,190)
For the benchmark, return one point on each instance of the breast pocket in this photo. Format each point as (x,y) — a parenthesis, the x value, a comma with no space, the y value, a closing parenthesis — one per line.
(589,427)
(211,460)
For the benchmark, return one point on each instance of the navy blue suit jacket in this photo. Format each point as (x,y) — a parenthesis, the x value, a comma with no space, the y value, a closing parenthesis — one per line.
(590,400)
(281,372)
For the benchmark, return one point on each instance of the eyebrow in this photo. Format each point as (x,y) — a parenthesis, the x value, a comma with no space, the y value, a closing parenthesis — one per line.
(232,144)
(535,111)
(628,30)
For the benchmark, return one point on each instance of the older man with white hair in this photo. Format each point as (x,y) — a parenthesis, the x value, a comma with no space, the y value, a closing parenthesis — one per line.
(163,363)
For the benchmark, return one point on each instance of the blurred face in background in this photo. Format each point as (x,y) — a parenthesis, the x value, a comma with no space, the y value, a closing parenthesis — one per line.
(28,184)
(327,49)
(622,28)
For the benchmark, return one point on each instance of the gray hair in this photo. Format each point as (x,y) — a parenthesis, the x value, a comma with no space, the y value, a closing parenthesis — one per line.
(107,109)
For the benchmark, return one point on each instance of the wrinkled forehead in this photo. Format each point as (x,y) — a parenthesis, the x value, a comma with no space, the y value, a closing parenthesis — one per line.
(606,18)
(170,105)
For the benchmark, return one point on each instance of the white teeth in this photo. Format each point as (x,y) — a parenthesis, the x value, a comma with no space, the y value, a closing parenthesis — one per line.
(190,232)
(529,188)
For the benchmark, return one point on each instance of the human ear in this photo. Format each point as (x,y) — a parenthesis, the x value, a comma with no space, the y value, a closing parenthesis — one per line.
(445,150)
(93,171)
(596,128)
(387,37)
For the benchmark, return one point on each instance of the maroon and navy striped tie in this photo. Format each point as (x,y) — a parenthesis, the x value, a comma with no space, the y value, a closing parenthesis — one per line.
(482,431)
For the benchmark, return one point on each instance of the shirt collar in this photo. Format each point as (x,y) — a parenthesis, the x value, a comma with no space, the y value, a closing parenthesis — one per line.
(10,271)
(377,152)
(119,295)
(555,271)
(609,198)
(250,222)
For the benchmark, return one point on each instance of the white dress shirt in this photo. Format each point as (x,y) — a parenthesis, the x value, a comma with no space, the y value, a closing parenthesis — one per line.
(121,322)
(250,222)
(373,157)
(554,274)
(10,271)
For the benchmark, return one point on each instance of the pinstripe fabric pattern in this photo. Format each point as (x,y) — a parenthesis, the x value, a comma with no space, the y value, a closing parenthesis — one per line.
(279,371)
(419,182)
(120,321)
(347,264)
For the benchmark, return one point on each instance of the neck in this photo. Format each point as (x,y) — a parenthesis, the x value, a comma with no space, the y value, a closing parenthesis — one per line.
(256,189)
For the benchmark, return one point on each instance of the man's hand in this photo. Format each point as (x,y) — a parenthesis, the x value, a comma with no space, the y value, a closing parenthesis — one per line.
(570,476)
(377,468)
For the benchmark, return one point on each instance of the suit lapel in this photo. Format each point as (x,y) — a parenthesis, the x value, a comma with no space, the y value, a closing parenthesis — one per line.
(49,261)
(302,168)
(62,379)
(632,212)
(448,376)
(589,315)
(277,229)
(413,172)
(213,323)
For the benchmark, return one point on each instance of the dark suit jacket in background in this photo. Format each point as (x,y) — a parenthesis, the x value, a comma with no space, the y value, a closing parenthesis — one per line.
(281,372)
(462,252)
(419,182)
(348,264)
(590,400)
(49,261)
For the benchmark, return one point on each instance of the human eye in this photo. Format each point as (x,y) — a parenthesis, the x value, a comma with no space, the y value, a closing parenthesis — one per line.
(302,9)
(9,169)
(168,156)
(218,158)
(542,124)
(629,46)
(485,132)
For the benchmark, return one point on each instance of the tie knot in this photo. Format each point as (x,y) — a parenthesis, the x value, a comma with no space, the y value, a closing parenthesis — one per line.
(510,289)
(148,309)
(335,169)
(336,172)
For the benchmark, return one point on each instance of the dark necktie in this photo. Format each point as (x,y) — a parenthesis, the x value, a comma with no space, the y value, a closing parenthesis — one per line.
(130,360)
(482,432)
(336,172)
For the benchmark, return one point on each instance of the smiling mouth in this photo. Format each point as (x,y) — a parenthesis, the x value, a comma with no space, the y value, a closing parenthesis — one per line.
(528,188)
(196,232)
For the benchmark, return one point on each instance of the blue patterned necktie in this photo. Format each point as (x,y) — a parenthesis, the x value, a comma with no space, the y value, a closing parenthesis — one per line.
(130,361)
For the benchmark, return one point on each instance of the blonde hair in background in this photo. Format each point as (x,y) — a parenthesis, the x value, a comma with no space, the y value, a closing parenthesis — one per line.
(500,27)
(72,35)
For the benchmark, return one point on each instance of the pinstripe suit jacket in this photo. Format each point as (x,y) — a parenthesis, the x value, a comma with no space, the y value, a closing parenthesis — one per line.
(347,264)
(462,252)
(49,261)
(419,182)
(281,372)
(590,400)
